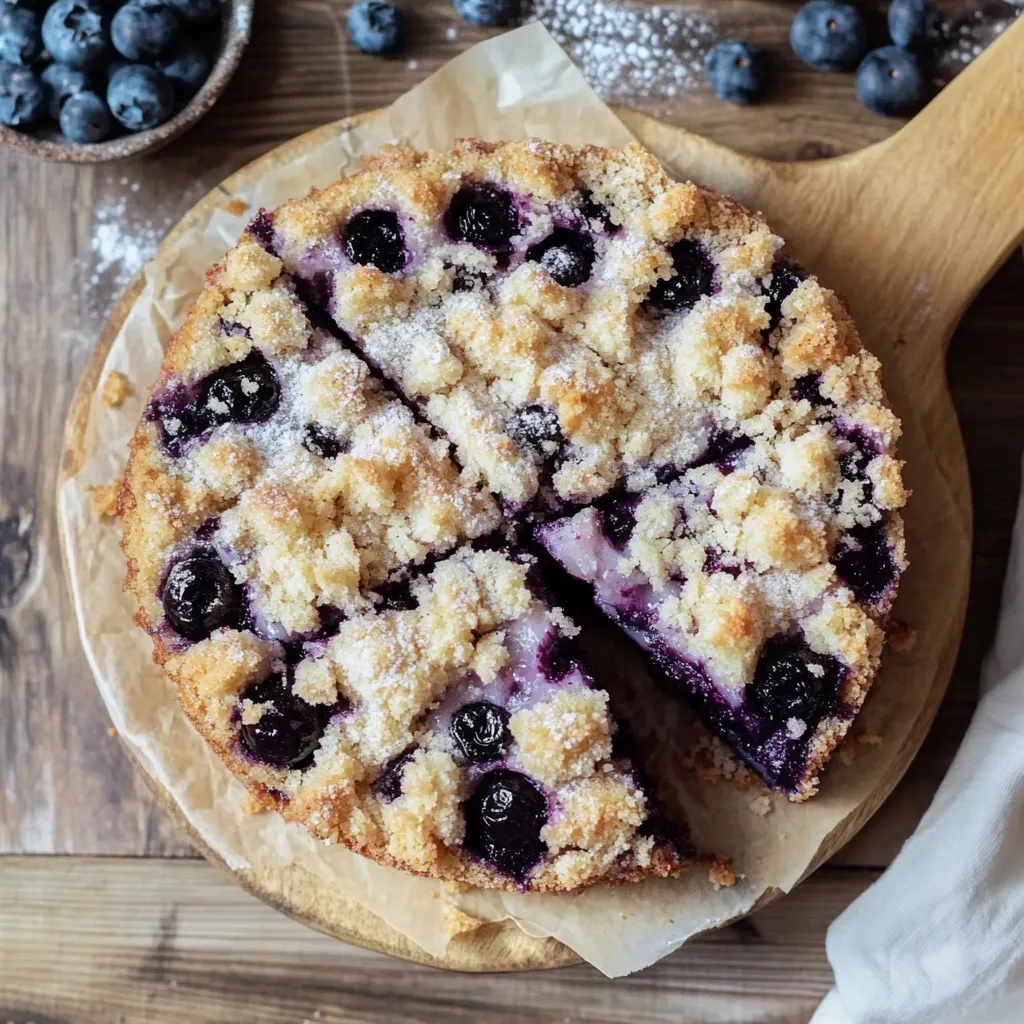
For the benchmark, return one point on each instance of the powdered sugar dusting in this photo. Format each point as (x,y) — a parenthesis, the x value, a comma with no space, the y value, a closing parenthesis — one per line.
(120,246)
(630,53)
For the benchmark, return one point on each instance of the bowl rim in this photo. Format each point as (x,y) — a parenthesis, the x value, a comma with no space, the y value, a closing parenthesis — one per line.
(237,29)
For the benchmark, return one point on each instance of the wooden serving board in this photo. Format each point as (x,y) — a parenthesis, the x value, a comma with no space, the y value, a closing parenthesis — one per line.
(908,229)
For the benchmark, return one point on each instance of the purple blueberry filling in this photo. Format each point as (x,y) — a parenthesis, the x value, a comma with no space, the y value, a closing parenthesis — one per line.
(289,730)
(785,278)
(536,429)
(723,451)
(480,731)
(504,818)
(592,211)
(321,441)
(558,656)
(808,389)
(618,517)
(200,595)
(692,280)
(483,215)
(262,229)
(567,255)
(864,561)
(375,238)
(792,681)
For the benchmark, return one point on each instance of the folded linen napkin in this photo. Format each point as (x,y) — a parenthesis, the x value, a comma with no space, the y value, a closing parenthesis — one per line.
(939,938)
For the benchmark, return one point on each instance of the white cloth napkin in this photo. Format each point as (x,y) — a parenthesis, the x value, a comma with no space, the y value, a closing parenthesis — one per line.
(939,938)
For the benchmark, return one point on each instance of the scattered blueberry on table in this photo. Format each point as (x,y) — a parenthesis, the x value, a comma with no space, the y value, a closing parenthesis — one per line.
(488,13)
(889,82)
(376,27)
(736,71)
(97,67)
(914,24)
(829,36)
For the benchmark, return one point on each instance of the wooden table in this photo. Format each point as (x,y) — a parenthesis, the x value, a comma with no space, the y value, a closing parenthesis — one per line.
(106,914)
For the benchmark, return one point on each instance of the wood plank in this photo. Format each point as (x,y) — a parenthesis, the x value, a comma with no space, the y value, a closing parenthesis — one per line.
(66,786)
(170,941)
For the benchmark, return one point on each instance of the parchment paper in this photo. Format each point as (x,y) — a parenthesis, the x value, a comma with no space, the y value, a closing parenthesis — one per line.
(516,85)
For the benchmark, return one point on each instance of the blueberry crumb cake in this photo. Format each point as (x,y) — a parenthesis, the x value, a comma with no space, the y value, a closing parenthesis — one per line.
(409,407)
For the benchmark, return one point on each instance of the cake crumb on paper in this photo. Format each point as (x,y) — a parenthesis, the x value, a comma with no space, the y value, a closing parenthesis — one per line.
(103,498)
(116,388)
(711,761)
(235,206)
(721,874)
(111,731)
(458,922)
(901,637)
(250,805)
(761,805)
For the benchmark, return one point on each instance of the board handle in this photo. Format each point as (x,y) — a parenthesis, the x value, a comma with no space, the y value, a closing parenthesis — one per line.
(945,194)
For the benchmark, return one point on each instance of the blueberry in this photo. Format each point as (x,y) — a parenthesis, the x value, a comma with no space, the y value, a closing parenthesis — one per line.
(197,12)
(482,215)
(480,731)
(488,13)
(22,97)
(536,429)
(396,596)
(200,595)
(375,238)
(321,441)
(890,83)
(187,67)
(618,518)
(593,211)
(736,71)
(829,36)
(504,817)
(388,785)
(464,280)
(723,450)
(791,680)
(75,32)
(376,27)
(140,97)
(244,392)
(289,730)
(60,82)
(142,29)
(84,118)
(914,24)
(692,279)
(567,255)
(785,279)
(808,389)
(21,40)
(865,563)
(262,229)
(558,656)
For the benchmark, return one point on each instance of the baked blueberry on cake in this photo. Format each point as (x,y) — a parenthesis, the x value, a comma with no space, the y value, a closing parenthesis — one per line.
(409,403)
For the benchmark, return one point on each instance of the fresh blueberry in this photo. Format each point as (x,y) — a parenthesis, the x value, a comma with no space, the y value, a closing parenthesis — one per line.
(504,818)
(791,680)
(536,429)
(143,29)
(829,36)
(865,563)
(197,12)
(200,595)
(890,83)
(244,392)
(84,118)
(140,97)
(288,731)
(375,238)
(75,32)
(692,279)
(736,71)
(488,13)
(785,279)
(60,82)
(567,255)
(376,27)
(21,40)
(914,24)
(22,97)
(480,731)
(187,67)
(321,441)
(482,215)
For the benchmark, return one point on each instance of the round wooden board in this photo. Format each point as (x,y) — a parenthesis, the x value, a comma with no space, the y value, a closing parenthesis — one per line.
(302,895)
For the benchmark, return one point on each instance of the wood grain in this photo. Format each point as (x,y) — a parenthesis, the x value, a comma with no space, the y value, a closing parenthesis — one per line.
(164,941)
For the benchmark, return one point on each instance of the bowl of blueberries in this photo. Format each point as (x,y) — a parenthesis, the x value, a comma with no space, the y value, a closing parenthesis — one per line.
(86,81)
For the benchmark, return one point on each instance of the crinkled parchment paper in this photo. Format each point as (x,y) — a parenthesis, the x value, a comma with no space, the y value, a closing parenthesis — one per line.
(517,85)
